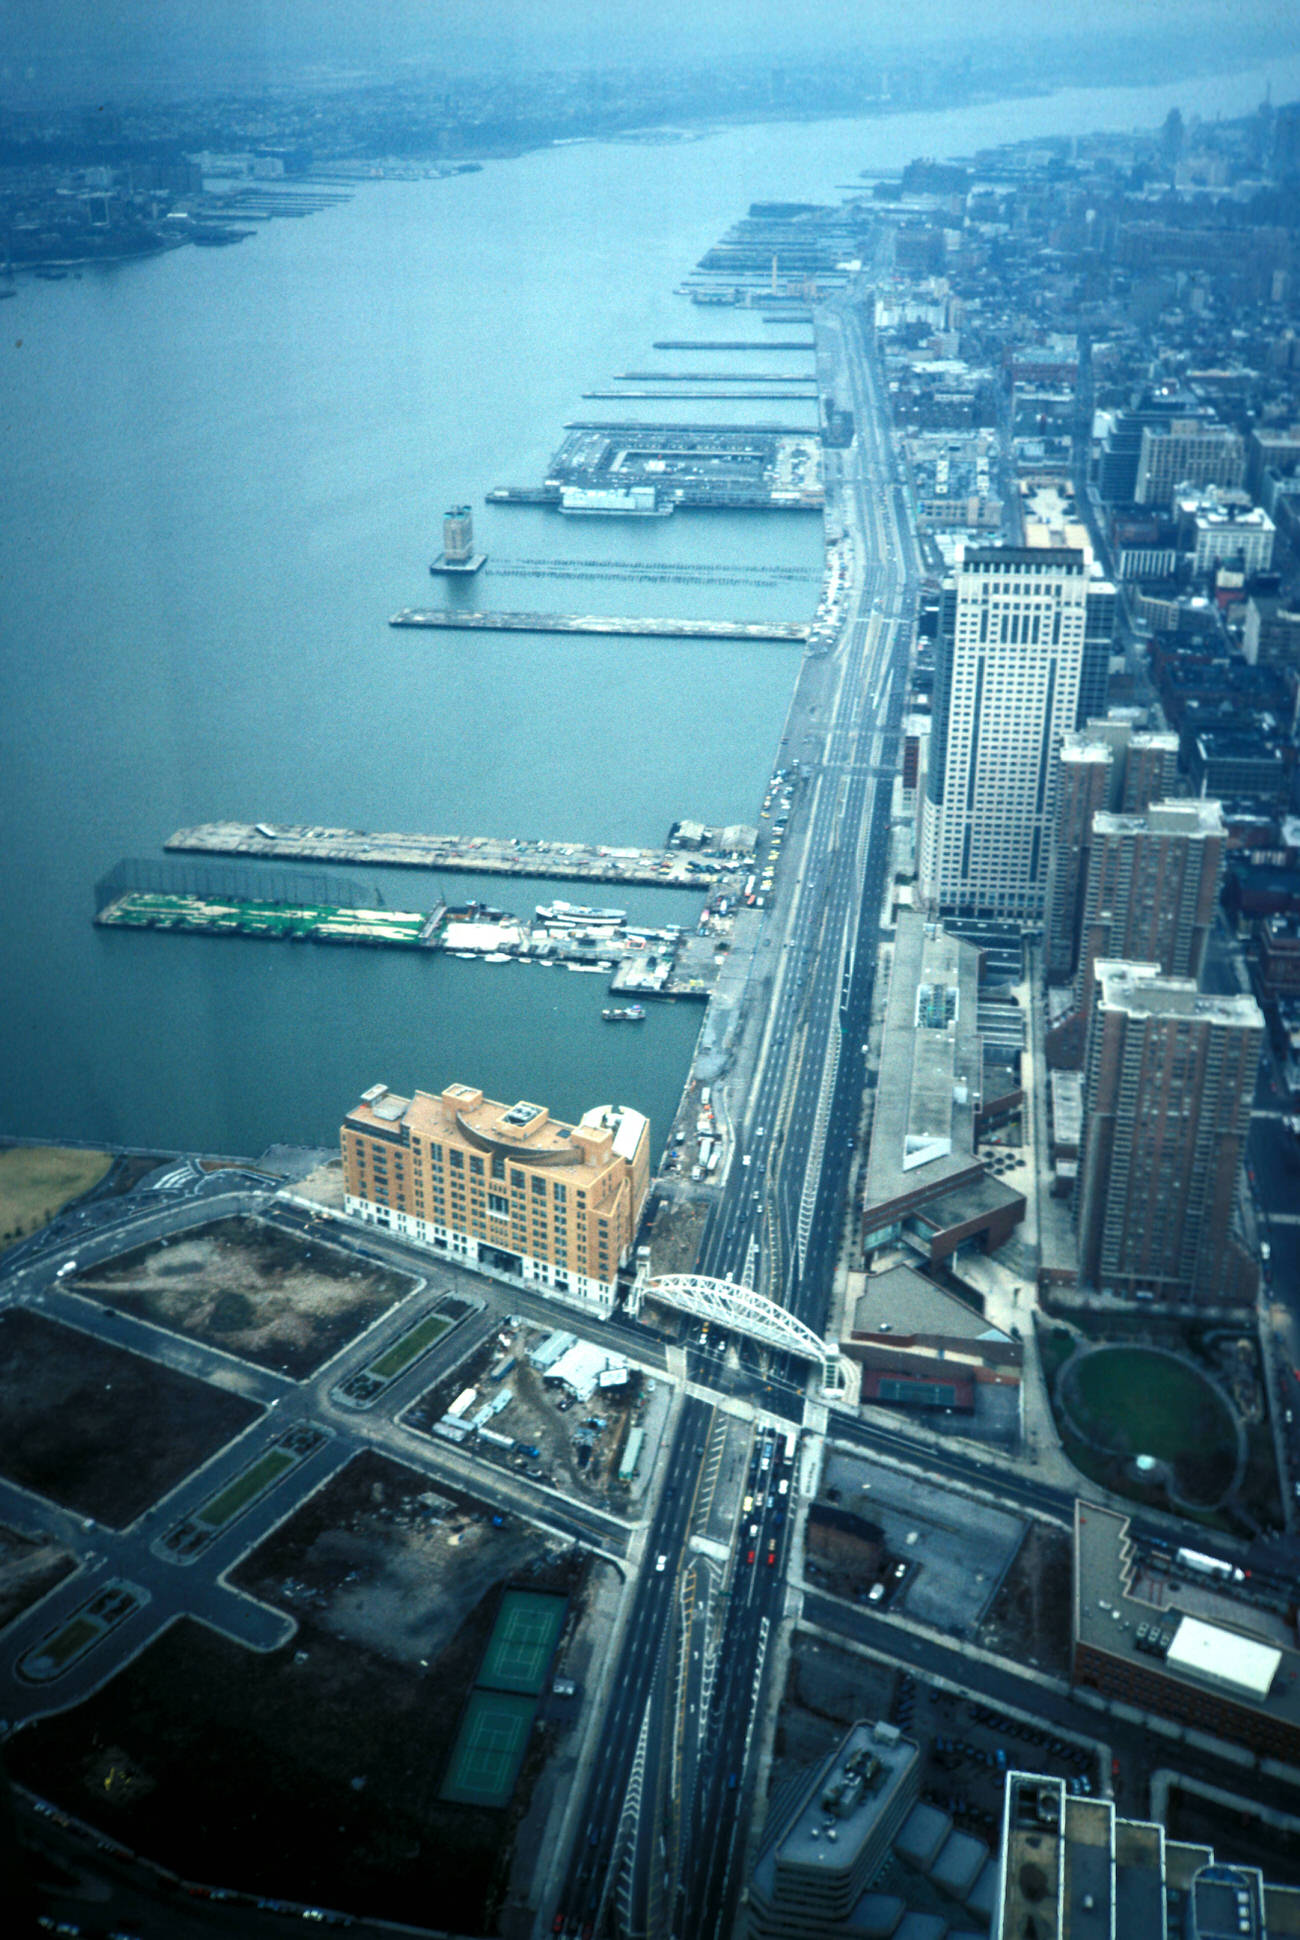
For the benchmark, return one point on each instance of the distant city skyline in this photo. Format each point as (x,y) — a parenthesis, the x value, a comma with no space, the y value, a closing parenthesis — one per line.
(151,43)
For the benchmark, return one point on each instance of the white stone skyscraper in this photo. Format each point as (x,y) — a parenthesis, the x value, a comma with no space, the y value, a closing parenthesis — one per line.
(1007,668)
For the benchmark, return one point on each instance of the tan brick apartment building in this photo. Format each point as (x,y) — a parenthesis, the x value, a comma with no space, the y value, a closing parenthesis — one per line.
(505,1186)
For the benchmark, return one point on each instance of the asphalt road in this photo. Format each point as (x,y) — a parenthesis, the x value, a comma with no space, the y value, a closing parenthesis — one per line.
(774,1226)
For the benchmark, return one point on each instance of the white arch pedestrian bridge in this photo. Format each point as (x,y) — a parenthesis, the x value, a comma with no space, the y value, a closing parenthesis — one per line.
(741,1311)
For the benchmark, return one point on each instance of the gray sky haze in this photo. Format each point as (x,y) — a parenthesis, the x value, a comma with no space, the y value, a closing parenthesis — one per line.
(129,44)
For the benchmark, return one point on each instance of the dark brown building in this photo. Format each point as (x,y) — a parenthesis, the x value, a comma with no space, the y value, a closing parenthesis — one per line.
(1234,1673)
(1152,890)
(1168,1082)
(1105,766)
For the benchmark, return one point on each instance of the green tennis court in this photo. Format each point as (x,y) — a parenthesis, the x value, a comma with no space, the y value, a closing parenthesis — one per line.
(489,1750)
(522,1641)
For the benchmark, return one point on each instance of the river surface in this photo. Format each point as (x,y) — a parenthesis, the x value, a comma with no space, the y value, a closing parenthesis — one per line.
(225,468)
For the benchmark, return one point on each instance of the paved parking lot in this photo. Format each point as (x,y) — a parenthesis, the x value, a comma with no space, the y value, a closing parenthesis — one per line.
(957,1551)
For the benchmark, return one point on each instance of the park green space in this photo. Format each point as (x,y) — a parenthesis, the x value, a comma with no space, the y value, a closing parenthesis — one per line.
(238,1494)
(36,1181)
(76,1636)
(410,1347)
(1146,1403)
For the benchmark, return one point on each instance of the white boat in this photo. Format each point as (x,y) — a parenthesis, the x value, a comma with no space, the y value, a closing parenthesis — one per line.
(577,913)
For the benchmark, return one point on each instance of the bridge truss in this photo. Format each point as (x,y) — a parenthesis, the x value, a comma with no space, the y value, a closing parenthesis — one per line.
(740,1310)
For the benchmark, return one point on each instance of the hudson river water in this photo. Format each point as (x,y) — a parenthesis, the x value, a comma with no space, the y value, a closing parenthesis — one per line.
(224,469)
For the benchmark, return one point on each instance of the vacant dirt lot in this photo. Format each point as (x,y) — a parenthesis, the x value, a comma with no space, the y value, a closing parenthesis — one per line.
(382,1558)
(36,1180)
(28,1568)
(252,1289)
(312,1773)
(1030,1618)
(673,1233)
(102,1431)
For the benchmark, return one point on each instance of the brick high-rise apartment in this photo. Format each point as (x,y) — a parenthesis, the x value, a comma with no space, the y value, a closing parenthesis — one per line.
(1152,890)
(1106,765)
(502,1185)
(1168,1080)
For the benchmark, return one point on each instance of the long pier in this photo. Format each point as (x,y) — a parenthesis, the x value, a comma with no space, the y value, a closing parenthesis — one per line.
(705,397)
(478,855)
(644,433)
(713,377)
(733,343)
(599,623)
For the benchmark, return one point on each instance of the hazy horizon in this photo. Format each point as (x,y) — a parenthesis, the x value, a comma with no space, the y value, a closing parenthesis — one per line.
(64,48)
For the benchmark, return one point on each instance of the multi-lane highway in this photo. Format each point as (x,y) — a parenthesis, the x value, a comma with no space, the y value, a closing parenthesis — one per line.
(778,1213)
(638,1866)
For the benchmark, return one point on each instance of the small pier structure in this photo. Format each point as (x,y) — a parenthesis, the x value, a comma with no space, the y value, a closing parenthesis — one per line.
(458,554)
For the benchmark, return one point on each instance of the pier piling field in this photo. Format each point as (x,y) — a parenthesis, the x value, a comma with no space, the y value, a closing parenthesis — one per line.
(473,855)
(598,623)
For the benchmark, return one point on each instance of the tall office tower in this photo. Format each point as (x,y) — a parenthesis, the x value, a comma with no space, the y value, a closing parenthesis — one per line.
(1106,765)
(1072,1866)
(1151,890)
(1187,451)
(1007,665)
(1168,1079)
(505,1186)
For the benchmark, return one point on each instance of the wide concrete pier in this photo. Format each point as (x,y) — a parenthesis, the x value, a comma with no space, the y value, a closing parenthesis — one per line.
(600,623)
(472,855)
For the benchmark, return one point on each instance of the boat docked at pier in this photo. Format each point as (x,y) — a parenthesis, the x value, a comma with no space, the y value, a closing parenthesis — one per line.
(562,915)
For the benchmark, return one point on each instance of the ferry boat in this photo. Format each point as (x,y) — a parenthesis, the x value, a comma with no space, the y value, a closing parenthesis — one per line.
(577,914)
(625,1014)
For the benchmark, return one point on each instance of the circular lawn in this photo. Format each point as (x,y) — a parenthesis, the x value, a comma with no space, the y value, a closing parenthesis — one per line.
(1131,1401)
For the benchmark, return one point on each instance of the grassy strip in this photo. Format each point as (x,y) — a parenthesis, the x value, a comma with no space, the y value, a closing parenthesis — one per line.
(239,1493)
(409,1348)
(69,1642)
